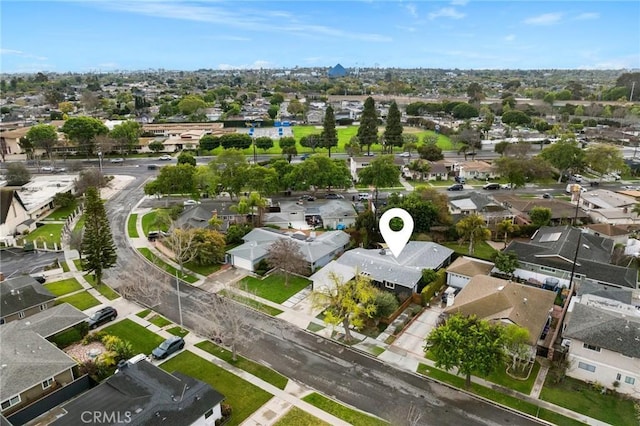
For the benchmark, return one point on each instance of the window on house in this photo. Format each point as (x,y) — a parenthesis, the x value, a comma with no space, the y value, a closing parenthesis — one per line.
(591,347)
(630,380)
(10,402)
(43,307)
(588,367)
(21,314)
(618,376)
(47,383)
(389,285)
(1,320)
(208,413)
(544,268)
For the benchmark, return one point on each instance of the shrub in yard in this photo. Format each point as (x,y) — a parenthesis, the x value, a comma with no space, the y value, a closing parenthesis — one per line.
(64,199)
(110,342)
(70,336)
(386,304)
(94,337)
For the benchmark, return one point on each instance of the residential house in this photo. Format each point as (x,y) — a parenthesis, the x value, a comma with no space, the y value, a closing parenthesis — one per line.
(506,302)
(315,116)
(32,368)
(398,275)
(10,143)
(551,251)
(317,249)
(22,297)
(437,171)
(561,211)
(604,206)
(198,216)
(618,233)
(144,394)
(476,169)
(477,203)
(14,216)
(460,272)
(358,163)
(603,339)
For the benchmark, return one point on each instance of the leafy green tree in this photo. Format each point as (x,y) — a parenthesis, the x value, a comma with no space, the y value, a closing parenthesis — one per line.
(329,137)
(386,303)
(83,131)
(264,142)
(540,216)
(472,228)
(26,145)
(320,172)
(97,241)
(475,92)
(283,171)
(368,130)
(191,104)
(186,158)
(506,262)
(347,303)
(311,141)
(519,170)
(367,226)
(209,142)
(393,129)
(156,146)
(515,118)
(507,227)
(501,147)
(285,255)
(423,212)
(209,246)
(517,346)
(603,158)
(288,146)
(17,174)
(380,173)
(352,147)
(64,199)
(179,179)
(43,136)
(296,108)
(430,152)
(464,111)
(231,166)
(273,111)
(469,344)
(236,140)
(565,155)
(263,180)
(127,134)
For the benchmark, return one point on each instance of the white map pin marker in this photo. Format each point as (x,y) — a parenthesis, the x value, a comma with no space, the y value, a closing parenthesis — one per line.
(396,240)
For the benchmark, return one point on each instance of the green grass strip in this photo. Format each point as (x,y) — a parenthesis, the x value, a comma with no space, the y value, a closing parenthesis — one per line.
(159,321)
(258,370)
(132,229)
(178,331)
(82,300)
(269,310)
(143,314)
(343,412)
(62,287)
(142,340)
(170,269)
(298,417)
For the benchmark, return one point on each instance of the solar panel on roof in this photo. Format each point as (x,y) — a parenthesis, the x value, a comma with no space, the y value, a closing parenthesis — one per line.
(552,236)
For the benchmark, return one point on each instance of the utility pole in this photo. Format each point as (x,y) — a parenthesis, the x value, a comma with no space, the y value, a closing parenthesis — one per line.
(179,299)
(633,86)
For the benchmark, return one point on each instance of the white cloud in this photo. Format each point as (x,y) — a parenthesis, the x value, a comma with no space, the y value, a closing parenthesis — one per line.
(22,54)
(510,37)
(446,12)
(412,9)
(587,16)
(254,66)
(544,19)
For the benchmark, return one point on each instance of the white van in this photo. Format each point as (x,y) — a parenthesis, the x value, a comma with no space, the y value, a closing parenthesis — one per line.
(133,360)
(570,187)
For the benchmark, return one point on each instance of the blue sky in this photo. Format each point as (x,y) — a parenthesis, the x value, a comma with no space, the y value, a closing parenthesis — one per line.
(107,35)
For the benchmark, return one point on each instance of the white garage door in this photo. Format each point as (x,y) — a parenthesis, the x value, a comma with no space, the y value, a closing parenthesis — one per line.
(240,262)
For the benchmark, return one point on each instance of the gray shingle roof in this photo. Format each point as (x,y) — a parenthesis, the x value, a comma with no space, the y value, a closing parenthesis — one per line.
(606,329)
(53,320)
(624,295)
(406,270)
(593,256)
(27,359)
(258,241)
(21,293)
(151,395)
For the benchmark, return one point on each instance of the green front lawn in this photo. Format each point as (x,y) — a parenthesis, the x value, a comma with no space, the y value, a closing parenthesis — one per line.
(142,340)
(79,223)
(501,377)
(170,269)
(178,331)
(580,397)
(62,287)
(82,300)
(159,321)
(61,213)
(258,370)
(345,413)
(244,397)
(106,291)
(481,250)
(49,233)
(298,417)
(205,270)
(148,220)
(132,229)
(143,314)
(496,396)
(273,288)
(269,310)
(64,266)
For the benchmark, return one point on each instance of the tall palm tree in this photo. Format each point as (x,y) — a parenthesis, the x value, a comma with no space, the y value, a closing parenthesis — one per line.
(506,227)
(472,228)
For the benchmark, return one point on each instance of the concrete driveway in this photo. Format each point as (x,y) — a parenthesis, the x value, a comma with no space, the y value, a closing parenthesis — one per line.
(412,339)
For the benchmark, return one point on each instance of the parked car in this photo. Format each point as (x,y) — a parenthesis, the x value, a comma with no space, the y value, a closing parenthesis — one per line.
(102,316)
(46,168)
(459,179)
(190,203)
(40,278)
(304,156)
(456,187)
(169,346)
(165,157)
(547,195)
(333,196)
(307,197)
(152,166)
(363,196)
(506,186)
(577,178)
(60,170)
(117,160)
(123,363)
(491,186)
(405,154)
(155,235)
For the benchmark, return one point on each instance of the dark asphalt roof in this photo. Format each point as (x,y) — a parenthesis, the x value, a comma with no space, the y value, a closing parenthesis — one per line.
(21,293)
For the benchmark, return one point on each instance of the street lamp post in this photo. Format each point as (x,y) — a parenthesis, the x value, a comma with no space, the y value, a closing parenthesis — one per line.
(100,160)
(179,299)
(575,189)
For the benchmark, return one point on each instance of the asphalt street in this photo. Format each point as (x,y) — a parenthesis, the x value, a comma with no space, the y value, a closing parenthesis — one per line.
(331,368)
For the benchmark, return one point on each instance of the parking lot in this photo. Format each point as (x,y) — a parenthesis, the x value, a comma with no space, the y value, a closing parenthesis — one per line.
(14,262)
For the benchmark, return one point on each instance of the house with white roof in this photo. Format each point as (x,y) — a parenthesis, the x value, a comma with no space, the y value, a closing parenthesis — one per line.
(317,249)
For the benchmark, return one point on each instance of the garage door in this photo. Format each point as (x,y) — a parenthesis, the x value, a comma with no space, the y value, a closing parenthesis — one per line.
(240,262)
